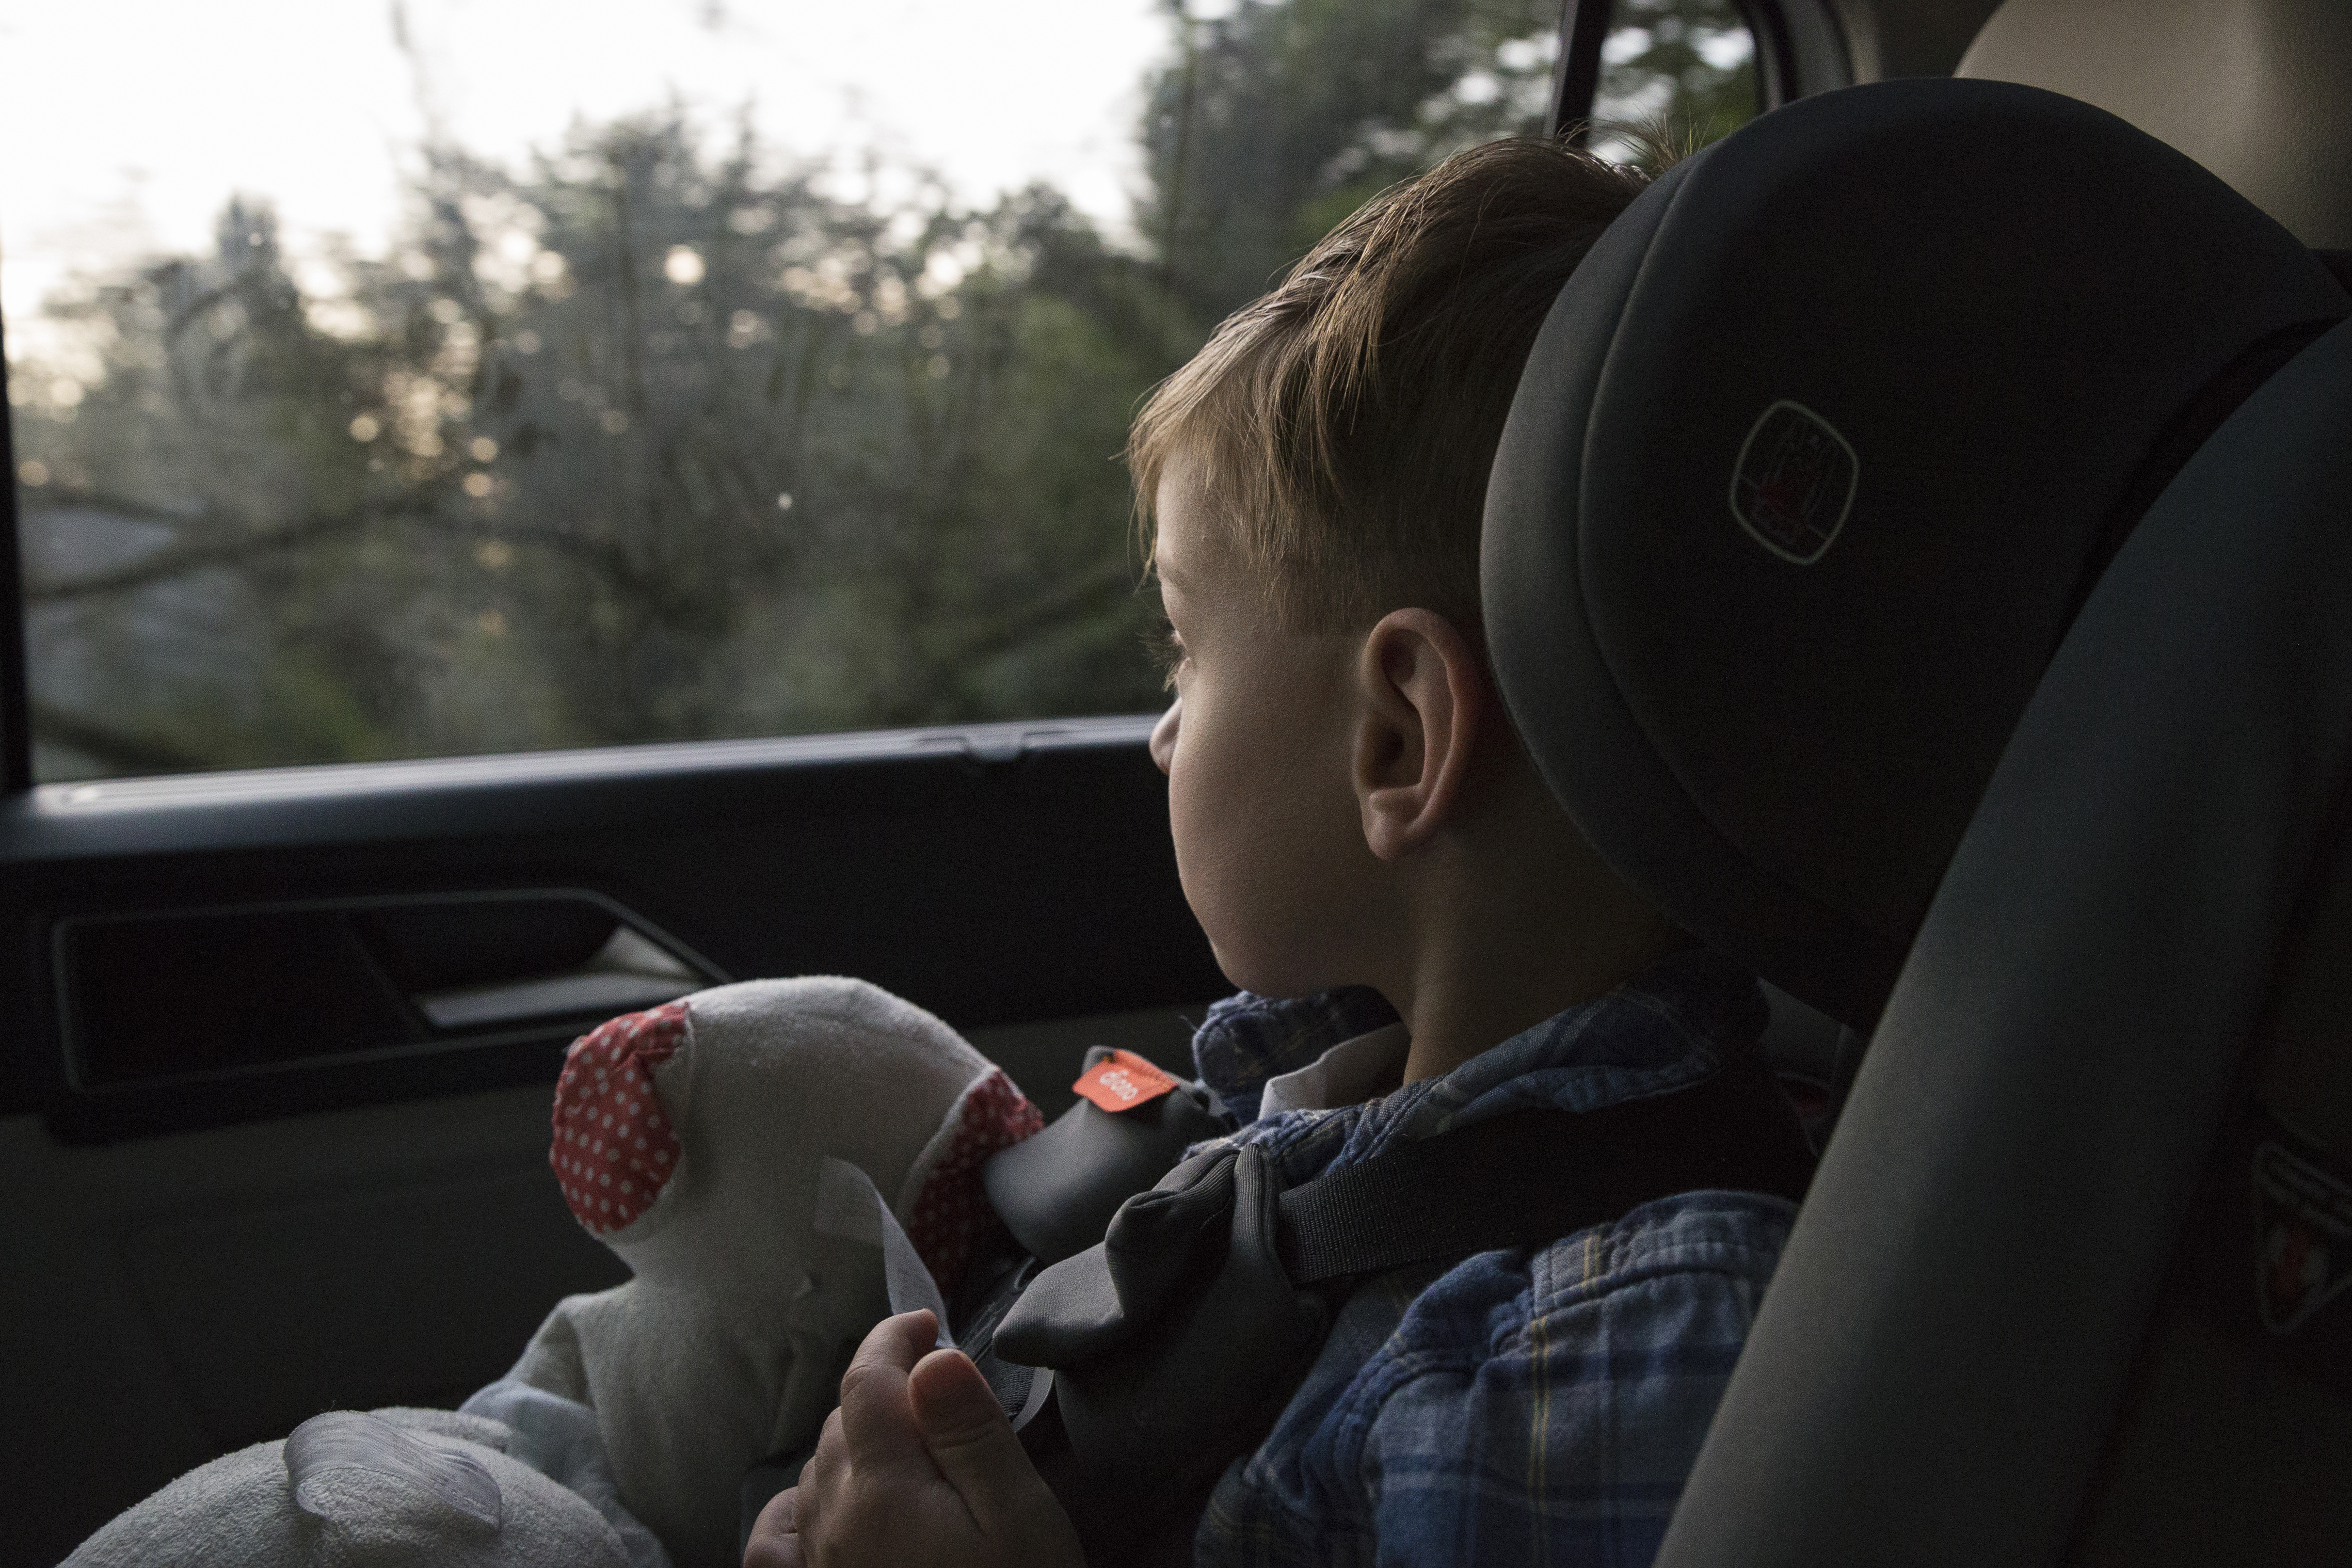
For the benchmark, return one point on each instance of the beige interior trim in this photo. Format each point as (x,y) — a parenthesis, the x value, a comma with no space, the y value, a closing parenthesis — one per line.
(2258,91)
(1907,37)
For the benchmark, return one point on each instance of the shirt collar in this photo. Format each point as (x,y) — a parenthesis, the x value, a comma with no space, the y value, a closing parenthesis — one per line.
(1675,1023)
(1351,1071)
(1247,1039)
(1672,1024)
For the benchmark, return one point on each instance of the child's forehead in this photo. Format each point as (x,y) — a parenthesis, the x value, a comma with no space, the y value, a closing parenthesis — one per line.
(1194,534)
(1167,567)
(1175,533)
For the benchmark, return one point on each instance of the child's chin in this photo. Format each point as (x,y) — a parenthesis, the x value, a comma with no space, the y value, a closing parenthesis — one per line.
(1264,975)
(1244,967)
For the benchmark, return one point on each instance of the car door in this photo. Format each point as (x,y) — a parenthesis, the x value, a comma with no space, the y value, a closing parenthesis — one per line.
(646,567)
(261,1168)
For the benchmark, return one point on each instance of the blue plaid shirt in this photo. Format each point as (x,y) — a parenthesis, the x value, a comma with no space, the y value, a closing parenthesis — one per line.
(1532,1405)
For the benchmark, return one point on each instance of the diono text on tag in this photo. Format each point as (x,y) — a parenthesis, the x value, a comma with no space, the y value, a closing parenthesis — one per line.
(1123,1080)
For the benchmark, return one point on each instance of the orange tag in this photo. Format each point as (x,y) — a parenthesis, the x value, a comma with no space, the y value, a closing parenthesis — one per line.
(1123,1080)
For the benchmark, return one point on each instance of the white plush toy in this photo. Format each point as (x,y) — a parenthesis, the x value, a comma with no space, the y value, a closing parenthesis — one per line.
(693,1139)
(762,1156)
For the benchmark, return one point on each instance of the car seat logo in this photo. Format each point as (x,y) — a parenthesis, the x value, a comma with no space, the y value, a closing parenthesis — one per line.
(1793,483)
(2303,1229)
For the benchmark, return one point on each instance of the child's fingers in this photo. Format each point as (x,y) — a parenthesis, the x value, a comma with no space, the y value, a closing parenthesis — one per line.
(898,1342)
(775,1537)
(821,1475)
(877,1419)
(973,1444)
(954,1406)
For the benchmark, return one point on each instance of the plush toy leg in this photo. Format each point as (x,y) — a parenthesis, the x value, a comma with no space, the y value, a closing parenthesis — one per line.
(553,1361)
(558,1437)
(242,1508)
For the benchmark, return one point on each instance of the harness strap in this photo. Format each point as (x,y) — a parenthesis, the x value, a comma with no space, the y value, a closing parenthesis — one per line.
(1532,1177)
(1162,1410)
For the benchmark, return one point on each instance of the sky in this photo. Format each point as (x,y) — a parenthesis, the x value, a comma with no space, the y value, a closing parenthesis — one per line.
(125,124)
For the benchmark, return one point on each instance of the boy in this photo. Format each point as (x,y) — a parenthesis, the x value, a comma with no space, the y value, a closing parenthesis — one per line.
(1350,807)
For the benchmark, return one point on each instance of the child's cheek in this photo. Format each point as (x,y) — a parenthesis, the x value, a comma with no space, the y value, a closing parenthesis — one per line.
(1210,861)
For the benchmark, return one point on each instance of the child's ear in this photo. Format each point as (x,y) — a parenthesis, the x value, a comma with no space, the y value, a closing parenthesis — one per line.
(1424,692)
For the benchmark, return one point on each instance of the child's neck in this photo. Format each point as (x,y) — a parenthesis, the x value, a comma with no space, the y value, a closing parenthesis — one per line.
(1455,1012)
(1479,969)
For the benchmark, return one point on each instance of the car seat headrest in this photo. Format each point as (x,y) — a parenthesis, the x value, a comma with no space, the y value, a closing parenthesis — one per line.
(1811,467)
(2258,91)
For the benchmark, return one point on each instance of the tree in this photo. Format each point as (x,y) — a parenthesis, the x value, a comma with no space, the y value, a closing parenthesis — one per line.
(639,445)
(1277,120)
(663,437)
(1681,72)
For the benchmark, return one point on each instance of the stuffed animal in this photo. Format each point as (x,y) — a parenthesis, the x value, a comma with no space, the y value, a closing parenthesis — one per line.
(388,1489)
(774,1160)
(696,1141)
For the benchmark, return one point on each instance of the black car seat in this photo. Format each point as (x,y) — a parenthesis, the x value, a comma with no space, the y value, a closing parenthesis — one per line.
(1920,557)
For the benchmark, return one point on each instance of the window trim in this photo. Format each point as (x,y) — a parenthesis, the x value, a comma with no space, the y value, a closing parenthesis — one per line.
(16,713)
(1800,50)
(316,805)
(1576,80)
(1776,61)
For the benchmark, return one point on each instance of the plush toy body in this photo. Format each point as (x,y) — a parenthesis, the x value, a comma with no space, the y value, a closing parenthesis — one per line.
(696,1141)
(691,1140)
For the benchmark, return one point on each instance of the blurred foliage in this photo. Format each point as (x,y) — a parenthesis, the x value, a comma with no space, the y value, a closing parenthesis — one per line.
(664,438)
(1677,73)
(1273,123)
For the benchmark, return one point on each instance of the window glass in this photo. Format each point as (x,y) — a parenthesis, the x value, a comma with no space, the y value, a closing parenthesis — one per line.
(450,377)
(1674,76)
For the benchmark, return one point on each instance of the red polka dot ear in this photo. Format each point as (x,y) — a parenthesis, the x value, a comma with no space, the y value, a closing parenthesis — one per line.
(614,1148)
(951,1209)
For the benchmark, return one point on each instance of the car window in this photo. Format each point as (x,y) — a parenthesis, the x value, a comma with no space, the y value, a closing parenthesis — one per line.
(458,376)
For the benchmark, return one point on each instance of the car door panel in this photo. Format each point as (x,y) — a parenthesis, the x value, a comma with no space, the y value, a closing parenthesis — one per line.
(995,876)
(206,1254)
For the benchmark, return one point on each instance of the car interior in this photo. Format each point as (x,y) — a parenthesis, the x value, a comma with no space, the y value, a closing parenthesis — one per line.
(2015,752)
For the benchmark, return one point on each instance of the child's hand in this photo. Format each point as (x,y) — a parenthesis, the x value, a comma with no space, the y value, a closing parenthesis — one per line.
(918,1467)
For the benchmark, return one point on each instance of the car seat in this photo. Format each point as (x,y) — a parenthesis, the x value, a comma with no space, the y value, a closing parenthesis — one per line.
(1919,558)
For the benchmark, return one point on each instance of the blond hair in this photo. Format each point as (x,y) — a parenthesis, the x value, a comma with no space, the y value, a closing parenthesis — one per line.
(1343,425)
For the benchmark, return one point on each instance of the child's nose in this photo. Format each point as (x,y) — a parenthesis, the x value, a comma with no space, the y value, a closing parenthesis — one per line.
(1164,734)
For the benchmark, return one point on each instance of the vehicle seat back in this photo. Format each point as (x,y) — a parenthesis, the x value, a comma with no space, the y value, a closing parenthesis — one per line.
(2256,90)
(2022,1316)
(2017,324)
(2230,1450)
(2235,1441)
